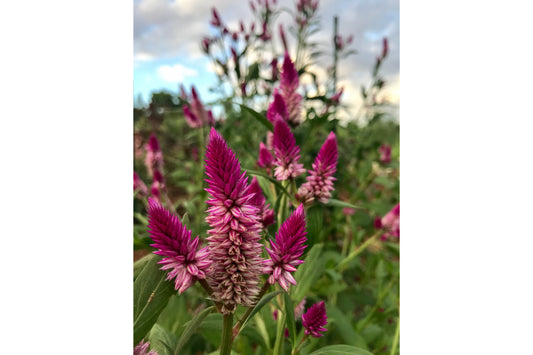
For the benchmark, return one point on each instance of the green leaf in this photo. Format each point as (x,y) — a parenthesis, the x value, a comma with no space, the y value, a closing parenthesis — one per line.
(259,117)
(343,326)
(308,272)
(291,323)
(266,298)
(271,179)
(340,350)
(162,340)
(315,222)
(339,203)
(139,265)
(141,218)
(191,327)
(150,296)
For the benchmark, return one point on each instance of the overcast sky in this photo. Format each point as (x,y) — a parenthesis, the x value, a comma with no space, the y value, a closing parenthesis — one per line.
(167,37)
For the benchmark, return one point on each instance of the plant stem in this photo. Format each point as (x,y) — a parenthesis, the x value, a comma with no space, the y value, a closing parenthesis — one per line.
(297,349)
(240,322)
(227,339)
(357,251)
(396,337)
(209,291)
(278,345)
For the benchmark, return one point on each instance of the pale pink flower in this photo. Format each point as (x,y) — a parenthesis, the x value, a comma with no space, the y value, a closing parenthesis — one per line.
(143,348)
(286,151)
(390,223)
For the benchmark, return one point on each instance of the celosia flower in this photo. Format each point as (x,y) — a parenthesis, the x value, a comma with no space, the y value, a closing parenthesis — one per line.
(154,156)
(274,67)
(286,249)
(390,223)
(191,118)
(277,107)
(315,319)
(180,253)
(235,227)
(196,115)
(215,21)
(385,153)
(286,151)
(320,180)
(288,85)
(283,39)
(139,185)
(143,349)
(266,213)
(265,157)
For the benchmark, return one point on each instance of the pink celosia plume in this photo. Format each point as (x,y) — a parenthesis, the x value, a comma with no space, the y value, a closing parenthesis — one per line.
(191,118)
(315,319)
(286,250)
(289,83)
(265,212)
(286,151)
(143,348)
(154,156)
(139,185)
(390,223)
(265,157)
(320,180)
(385,153)
(235,227)
(277,107)
(180,253)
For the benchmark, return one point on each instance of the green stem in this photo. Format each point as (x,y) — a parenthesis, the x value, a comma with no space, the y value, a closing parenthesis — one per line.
(357,251)
(297,349)
(280,333)
(396,337)
(238,326)
(227,339)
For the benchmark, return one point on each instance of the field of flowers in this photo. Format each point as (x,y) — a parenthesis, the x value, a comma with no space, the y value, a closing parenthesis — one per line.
(274,227)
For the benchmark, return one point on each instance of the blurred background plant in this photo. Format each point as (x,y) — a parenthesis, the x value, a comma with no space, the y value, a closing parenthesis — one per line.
(352,258)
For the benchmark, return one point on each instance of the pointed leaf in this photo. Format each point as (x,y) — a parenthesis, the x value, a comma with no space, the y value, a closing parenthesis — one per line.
(339,203)
(191,327)
(340,350)
(291,324)
(266,298)
(162,340)
(258,117)
(308,272)
(343,326)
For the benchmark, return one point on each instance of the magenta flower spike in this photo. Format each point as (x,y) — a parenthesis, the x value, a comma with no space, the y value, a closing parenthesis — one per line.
(277,107)
(154,156)
(320,180)
(143,348)
(286,151)
(180,253)
(265,212)
(265,157)
(289,83)
(286,250)
(139,185)
(385,153)
(390,223)
(315,319)
(235,226)
(192,120)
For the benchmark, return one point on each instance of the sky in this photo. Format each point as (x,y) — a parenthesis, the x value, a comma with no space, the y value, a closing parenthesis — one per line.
(167,37)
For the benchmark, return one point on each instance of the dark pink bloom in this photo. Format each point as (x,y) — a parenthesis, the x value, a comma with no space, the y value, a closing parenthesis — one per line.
(210,119)
(335,99)
(277,107)
(139,185)
(315,319)
(205,45)
(391,223)
(215,21)
(265,212)
(155,190)
(289,83)
(286,250)
(173,241)
(339,45)
(235,227)
(319,182)
(385,153)
(265,36)
(283,39)
(143,349)
(154,156)
(348,211)
(286,151)
(275,71)
(191,118)
(196,115)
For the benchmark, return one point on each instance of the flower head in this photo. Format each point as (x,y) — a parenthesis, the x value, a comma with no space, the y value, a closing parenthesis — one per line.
(390,223)
(286,250)
(139,185)
(289,83)
(315,319)
(277,107)
(266,213)
(320,180)
(235,227)
(265,157)
(173,241)
(286,151)
(154,156)
(143,349)
(192,120)
(384,153)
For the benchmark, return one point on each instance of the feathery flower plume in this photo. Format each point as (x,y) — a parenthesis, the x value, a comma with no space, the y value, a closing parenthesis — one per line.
(286,249)
(266,213)
(286,151)
(154,156)
(191,118)
(196,115)
(384,153)
(315,319)
(277,107)
(288,85)
(265,157)
(173,241)
(139,185)
(143,349)
(390,223)
(235,227)
(320,180)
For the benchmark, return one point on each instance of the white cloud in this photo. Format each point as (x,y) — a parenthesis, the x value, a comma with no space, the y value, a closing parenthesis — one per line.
(175,73)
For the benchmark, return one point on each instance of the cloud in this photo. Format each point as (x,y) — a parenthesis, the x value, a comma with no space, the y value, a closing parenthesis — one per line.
(175,73)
